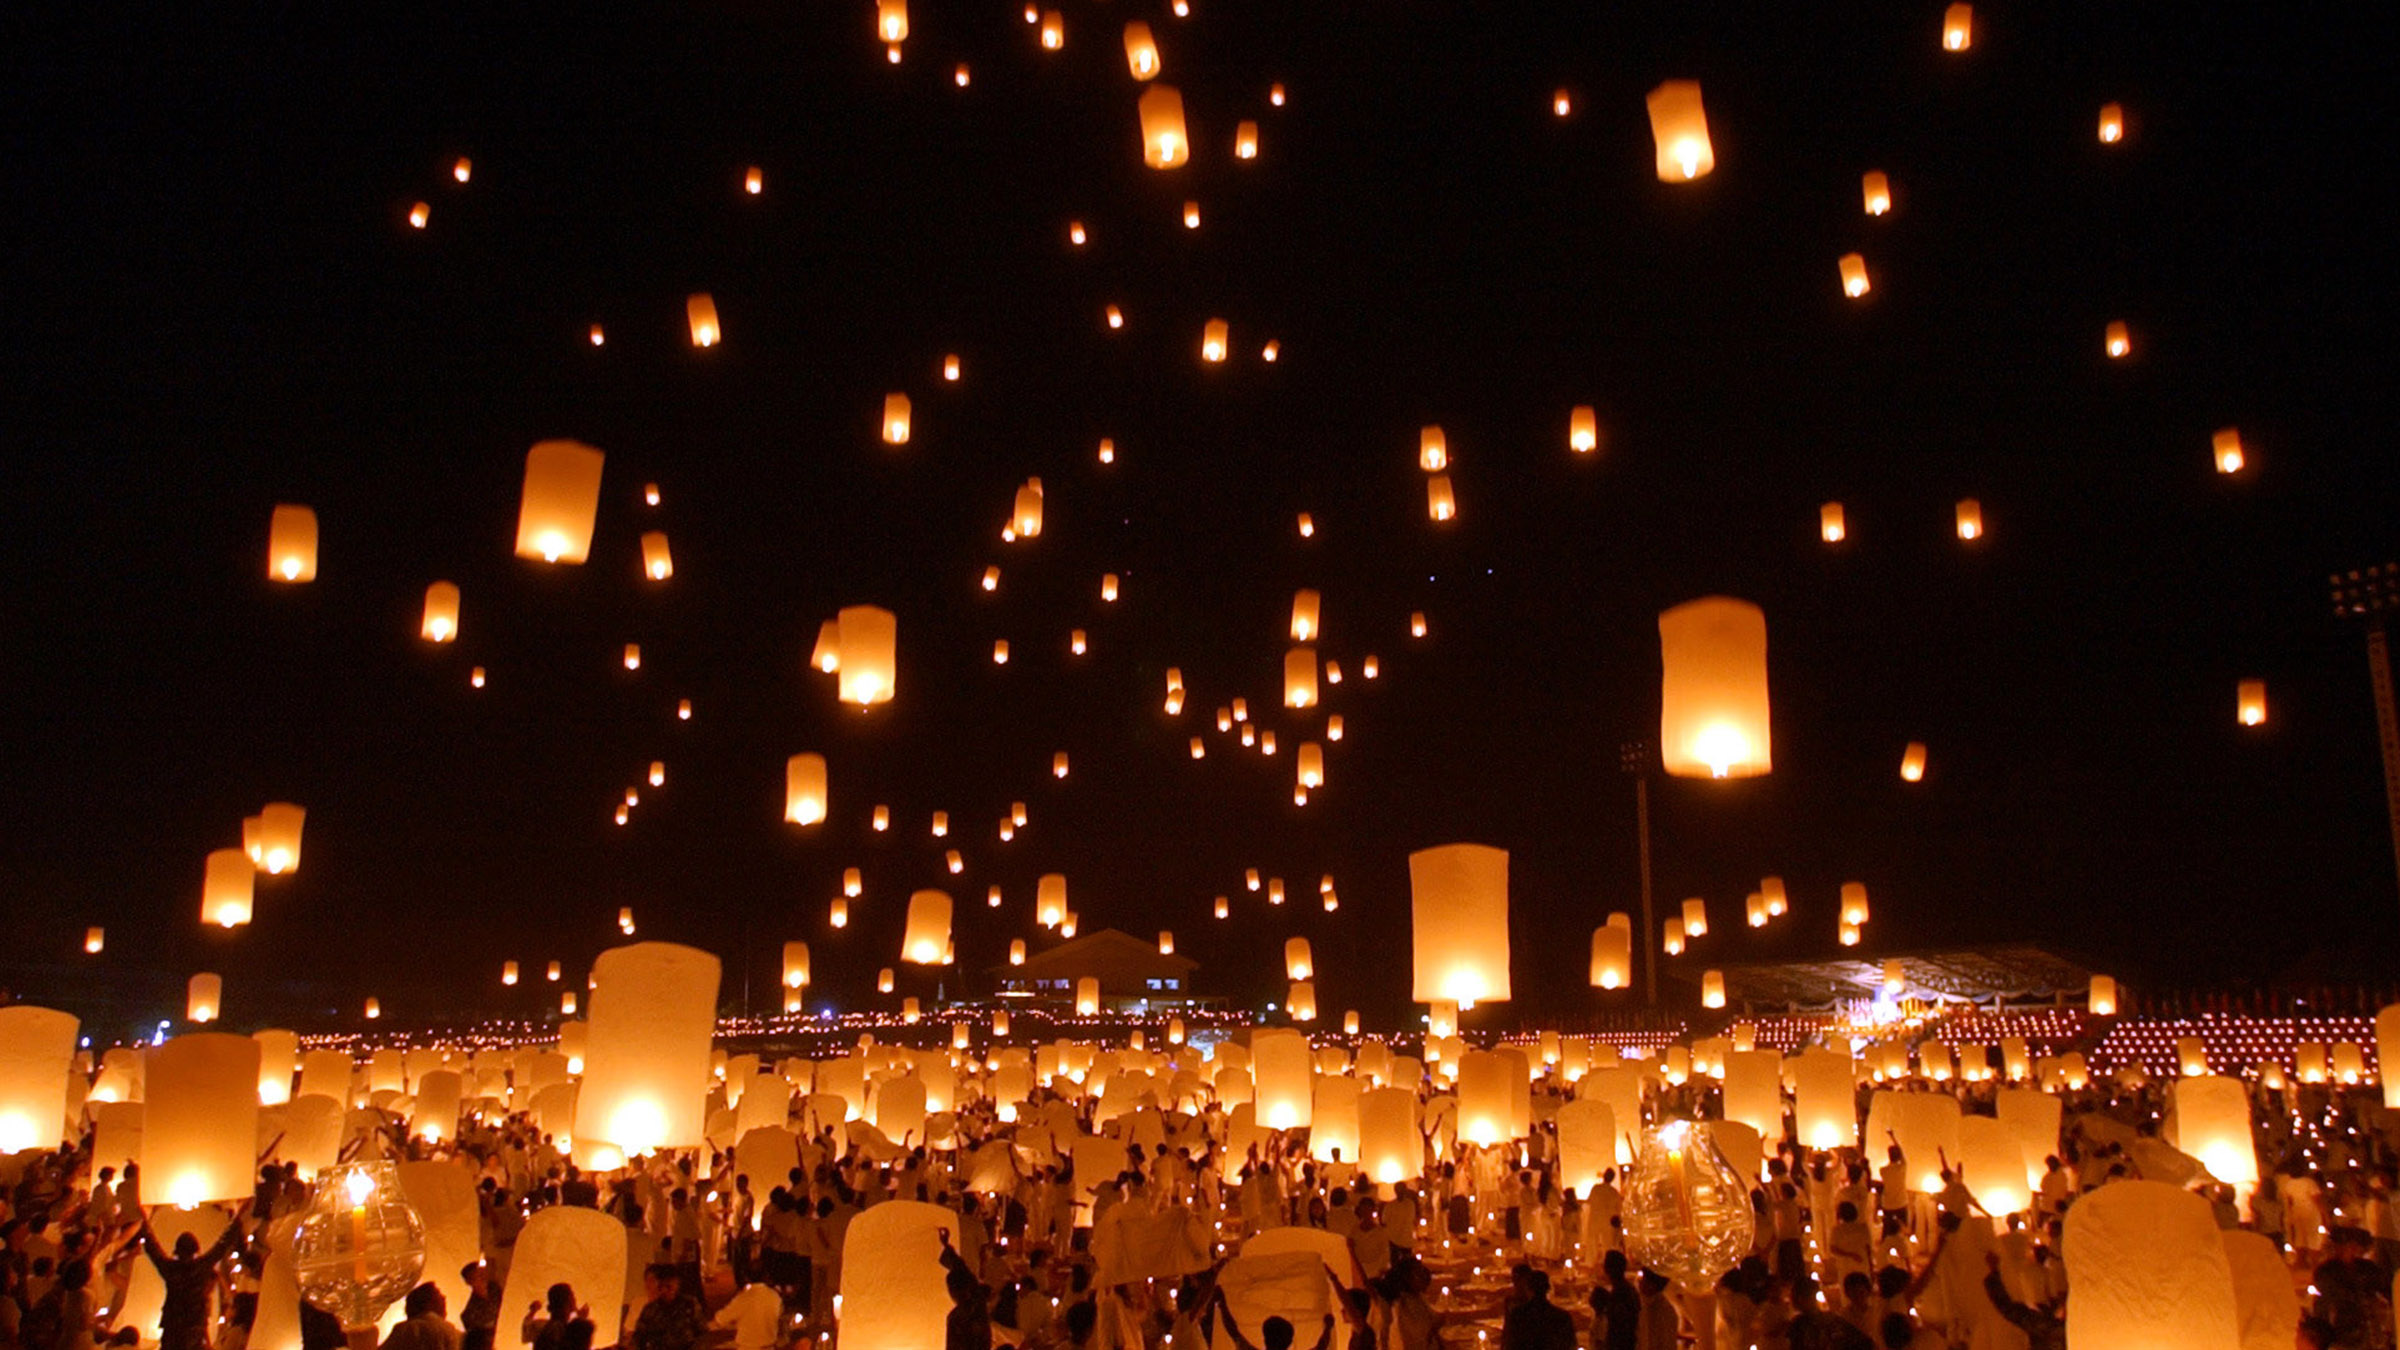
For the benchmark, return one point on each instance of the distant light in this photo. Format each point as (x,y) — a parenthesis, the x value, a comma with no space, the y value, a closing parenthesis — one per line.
(418,214)
(463,169)
(599,338)
(961,75)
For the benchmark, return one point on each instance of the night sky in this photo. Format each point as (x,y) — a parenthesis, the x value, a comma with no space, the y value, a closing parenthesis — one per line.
(211,302)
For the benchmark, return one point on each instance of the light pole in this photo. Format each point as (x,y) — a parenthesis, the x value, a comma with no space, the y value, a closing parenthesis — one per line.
(1634,758)
(2364,596)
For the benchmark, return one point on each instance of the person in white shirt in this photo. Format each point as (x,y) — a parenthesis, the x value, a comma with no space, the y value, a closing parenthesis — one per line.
(755,1316)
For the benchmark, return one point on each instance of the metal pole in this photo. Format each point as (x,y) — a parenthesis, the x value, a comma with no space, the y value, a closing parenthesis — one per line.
(1649,937)
(2387,727)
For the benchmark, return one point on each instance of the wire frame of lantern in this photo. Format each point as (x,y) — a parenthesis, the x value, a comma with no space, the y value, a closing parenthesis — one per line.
(359,1246)
(1687,1208)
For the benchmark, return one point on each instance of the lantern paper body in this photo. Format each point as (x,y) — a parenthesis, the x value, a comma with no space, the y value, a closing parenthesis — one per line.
(1824,1109)
(200,1121)
(203,998)
(869,638)
(1994,1160)
(1713,719)
(1912,762)
(891,20)
(1877,191)
(226,891)
(278,1059)
(561,498)
(2148,1270)
(2267,1306)
(1087,997)
(1389,1145)
(1687,1208)
(1301,1001)
(701,310)
(1282,1071)
(444,1198)
(795,965)
(2103,998)
(658,561)
(1695,918)
(37,1046)
(2212,1123)
(804,789)
(292,544)
(1712,989)
(646,1059)
(1587,1132)
(1440,502)
(2250,702)
(1854,275)
(1334,1122)
(1680,127)
(1300,678)
(440,623)
(1753,1092)
(1141,51)
(2112,123)
(1970,519)
(1164,144)
(1305,608)
(1926,1128)
(1298,964)
(895,419)
(1214,335)
(1958,28)
(927,941)
(1459,903)
(1027,513)
(1612,954)
(570,1245)
(1583,429)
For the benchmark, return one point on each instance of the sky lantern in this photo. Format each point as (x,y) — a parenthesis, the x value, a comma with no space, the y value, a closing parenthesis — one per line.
(1958,28)
(646,1065)
(866,640)
(2148,1267)
(927,939)
(2228,448)
(700,309)
(1245,140)
(2211,1119)
(1300,678)
(1309,766)
(895,419)
(227,886)
(795,965)
(1680,127)
(374,1008)
(1283,1070)
(1077,642)
(200,1119)
(1670,937)
(37,1051)
(2118,341)
(754,181)
(1026,518)
(2250,702)
(1712,989)
(1000,651)
(1087,997)
(657,562)
(1994,1162)
(1108,588)
(1970,519)
(1440,503)
(508,972)
(1058,765)
(1166,942)
(1304,616)
(1583,429)
(1300,1001)
(94,939)
(1854,275)
(950,367)
(1016,951)
(1877,190)
(1164,144)
(2112,123)
(1830,525)
(1777,898)
(463,170)
(1213,337)
(561,497)
(418,215)
(1754,910)
(1141,51)
(1115,316)
(1713,710)
(891,20)
(1695,917)
(1223,908)
(804,789)
(1054,30)
(1076,234)
(552,972)
(991,578)
(440,623)
(1854,902)
(1912,762)
(1612,953)
(1050,899)
(633,656)
(1459,903)
(2102,999)
(658,773)
(292,544)
(1433,449)
(1297,963)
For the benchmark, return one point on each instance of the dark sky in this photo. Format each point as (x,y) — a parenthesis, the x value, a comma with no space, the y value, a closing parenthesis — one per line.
(211,303)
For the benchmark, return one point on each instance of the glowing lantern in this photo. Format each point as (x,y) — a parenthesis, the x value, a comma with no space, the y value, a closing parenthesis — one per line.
(1058,765)
(1166,943)
(891,20)
(204,997)
(1304,616)
(624,925)
(226,888)
(1994,1165)
(1301,1002)
(1108,587)
(1076,642)
(1433,449)
(1000,651)
(1054,30)
(1308,525)
(1970,519)
(866,638)
(292,544)
(463,169)
(1245,140)
(1612,953)
(200,1119)
(1583,429)
(1771,890)
(1016,951)
(1223,909)
(1695,917)
(37,1052)
(895,419)
(1878,192)
(1116,317)
(1459,902)
(1671,937)
(2103,998)
(795,965)
(552,973)
(1282,1068)
(2250,702)
(1141,51)
(646,1066)
(1309,766)
(1712,989)
(1108,450)
(927,940)
(837,913)
(599,335)
(1713,719)
(1297,964)
(2210,1120)
(1212,340)
(418,215)
(1027,518)
(950,367)
(1440,503)
(804,789)
(1824,1103)
(2349,1063)
(2228,452)
(508,972)
(755,181)
(2112,123)
(1958,28)
(2119,342)
(94,939)
(941,824)
(2148,1268)
(1300,678)
(561,497)
(1680,126)
(1164,145)
(657,562)
(1754,910)
(701,310)
(1912,762)
(1087,997)
(1854,902)
(374,1008)
(1854,275)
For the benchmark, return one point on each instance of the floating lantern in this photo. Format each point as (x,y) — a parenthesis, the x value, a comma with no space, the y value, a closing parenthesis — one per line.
(633,656)
(93,940)
(1309,765)
(1058,765)
(1283,1069)
(657,562)
(560,499)
(2228,453)
(1300,1002)
(1440,503)
(1016,954)
(1297,964)
(1141,51)
(1199,748)
(1433,449)
(37,1052)
(1713,710)
(701,310)
(599,338)
(374,1008)
(1771,890)
(866,637)
(1304,616)
(837,913)
(646,1068)
(1878,193)
(1077,642)
(1026,518)
(1854,275)
(895,419)
(1116,317)
(804,789)
(927,939)
(1224,908)
(755,181)
(200,1119)
(440,623)
(226,888)
(1166,943)
(463,169)
(795,965)
(658,773)
(292,544)
(1854,902)
(1970,519)
(1612,953)
(1830,525)
(1583,429)
(418,215)
(1459,903)
(2102,1000)
(1754,910)
(1245,140)
(1000,651)
(1164,145)
(508,972)
(1212,340)
(1300,678)
(1050,899)
(1695,918)
(2211,1119)
(683,710)
(2119,342)
(2112,123)
(1108,588)
(1712,989)
(1075,233)
(203,998)
(1958,28)
(553,972)
(1054,30)
(624,925)
(2250,702)
(2148,1268)
(891,20)
(1087,997)
(1912,762)
(1671,937)
(1680,126)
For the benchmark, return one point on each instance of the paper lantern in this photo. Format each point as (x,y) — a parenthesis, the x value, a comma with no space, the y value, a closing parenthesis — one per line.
(37,1053)
(1854,275)
(2148,1269)
(1016,951)
(2103,998)
(292,544)
(1459,906)
(1680,126)
(1050,899)
(1087,997)
(1025,517)
(1390,1147)
(1612,953)
(1713,708)
(374,1008)
(440,623)
(2211,1122)
(1994,1166)
(795,965)
(1066,924)
(1958,28)
(866,638)
(1054,30)
(1970,519)
(560,500)
(892,1293)
(1440,503)
(1164,145)
(1141,51)
(1305,607)
(1309,765)
(1245,140)
(1695,917)
(1753,1091)
(508,972)
(1297,962)
(2112,123)
(278,1060)
(927,939)
(1433,449)
(1712,989)
(203,998)
(1878,193)
(1824,1105)
(1223,909)
(94,939)
(1108,587)
(1912,762)
(1058,765)
(701,310)
(226,888)
(418,215)
(646,1068)
(1583,429)
(1213,339)
(200,1119)
(1300,1001)
(754,181)
(584,1249)
(1671,937)
(895,419)
(1283,1070)
(2250,702)
(2117,341)
(1300,678)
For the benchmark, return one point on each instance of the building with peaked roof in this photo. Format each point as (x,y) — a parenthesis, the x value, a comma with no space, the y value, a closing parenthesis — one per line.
(1981,975)
(1132,973)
